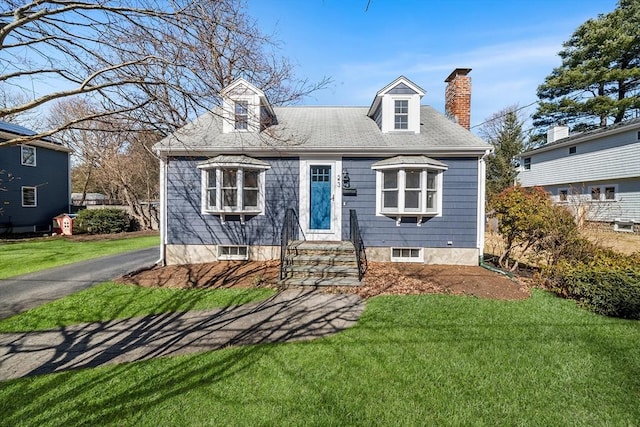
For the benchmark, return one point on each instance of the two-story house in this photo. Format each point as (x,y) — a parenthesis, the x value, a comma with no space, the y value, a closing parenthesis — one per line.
(414,177)
(34,182)
(596,174)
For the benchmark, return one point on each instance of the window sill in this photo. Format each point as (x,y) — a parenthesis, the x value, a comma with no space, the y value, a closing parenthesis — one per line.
(242,214)
(418,215)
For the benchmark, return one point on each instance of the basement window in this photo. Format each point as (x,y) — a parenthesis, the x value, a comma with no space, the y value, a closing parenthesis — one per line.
(233,253)
(406,255)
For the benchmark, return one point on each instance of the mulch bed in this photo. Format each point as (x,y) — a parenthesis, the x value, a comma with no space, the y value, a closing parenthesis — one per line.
(380,279)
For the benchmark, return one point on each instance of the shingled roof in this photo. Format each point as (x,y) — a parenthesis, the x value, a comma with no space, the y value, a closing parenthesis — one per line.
(322,130)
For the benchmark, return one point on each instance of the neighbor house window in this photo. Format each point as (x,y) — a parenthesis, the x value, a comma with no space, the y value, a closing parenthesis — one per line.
(572,150)
(526,163)
(233,184)
(242,115)
(409,186)
(29,197)
(595,193)
(401,118)
(27,155)
(609,193)
(563,194)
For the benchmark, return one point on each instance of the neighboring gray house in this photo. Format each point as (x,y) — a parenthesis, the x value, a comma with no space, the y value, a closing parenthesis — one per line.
(34,182)
(414,178)
(596,173)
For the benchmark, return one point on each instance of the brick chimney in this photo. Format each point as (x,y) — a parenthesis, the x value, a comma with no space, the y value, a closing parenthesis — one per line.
(457,97)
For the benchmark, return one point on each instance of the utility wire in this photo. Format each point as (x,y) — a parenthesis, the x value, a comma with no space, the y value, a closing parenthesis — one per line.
(504,115)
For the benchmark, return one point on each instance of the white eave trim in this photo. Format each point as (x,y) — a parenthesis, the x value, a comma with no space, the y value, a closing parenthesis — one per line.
(478,151)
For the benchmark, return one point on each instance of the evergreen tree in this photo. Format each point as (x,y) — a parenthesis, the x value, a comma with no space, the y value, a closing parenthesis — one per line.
(504,131)
(598,82)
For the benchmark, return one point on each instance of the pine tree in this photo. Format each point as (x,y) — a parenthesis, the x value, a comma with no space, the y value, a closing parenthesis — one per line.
(598,82)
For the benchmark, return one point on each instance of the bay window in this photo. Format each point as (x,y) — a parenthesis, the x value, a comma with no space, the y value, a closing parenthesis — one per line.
(409,186)
(233,185)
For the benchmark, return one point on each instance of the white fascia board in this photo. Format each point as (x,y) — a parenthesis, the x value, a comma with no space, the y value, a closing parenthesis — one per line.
(347,151)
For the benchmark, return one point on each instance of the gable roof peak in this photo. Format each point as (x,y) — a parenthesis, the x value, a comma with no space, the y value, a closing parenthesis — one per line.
(401,79)
(241,82)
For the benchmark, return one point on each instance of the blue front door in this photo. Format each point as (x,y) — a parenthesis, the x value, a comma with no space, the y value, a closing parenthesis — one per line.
(320,201)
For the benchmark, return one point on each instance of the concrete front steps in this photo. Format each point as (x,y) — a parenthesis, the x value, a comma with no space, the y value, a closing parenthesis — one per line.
(321,264)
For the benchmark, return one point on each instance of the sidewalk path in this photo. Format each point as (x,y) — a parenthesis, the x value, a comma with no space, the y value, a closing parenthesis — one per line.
(21,293)
(292,315)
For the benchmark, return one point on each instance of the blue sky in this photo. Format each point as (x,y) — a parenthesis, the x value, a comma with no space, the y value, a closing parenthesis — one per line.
(510,45)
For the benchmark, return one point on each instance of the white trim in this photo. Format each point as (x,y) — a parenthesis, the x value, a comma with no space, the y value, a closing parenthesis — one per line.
(35,196)
(163,210)
(482,195)
(335,232)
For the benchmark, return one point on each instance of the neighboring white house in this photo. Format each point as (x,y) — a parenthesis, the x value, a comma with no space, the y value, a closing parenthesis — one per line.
(595,173)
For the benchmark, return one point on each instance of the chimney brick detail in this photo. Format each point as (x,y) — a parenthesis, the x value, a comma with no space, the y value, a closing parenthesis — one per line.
(458,97)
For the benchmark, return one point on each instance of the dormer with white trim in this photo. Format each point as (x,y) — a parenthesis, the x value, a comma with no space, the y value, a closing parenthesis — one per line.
(245,108)
(396,107)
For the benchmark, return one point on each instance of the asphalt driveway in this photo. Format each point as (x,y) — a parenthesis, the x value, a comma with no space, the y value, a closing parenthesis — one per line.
(21,293)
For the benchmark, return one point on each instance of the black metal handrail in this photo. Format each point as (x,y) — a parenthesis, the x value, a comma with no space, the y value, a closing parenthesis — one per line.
(291,230)
(356,239)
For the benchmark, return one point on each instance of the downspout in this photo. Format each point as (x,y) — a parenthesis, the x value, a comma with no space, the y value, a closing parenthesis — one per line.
(163,209)
(482,194)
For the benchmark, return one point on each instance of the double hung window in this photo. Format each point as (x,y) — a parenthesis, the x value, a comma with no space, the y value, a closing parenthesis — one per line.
(241,115)
(401,117)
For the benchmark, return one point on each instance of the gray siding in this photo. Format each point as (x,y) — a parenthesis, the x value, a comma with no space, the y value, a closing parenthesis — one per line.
(458,223)
(626,205)
(187,225)
(50,176)
(608,158)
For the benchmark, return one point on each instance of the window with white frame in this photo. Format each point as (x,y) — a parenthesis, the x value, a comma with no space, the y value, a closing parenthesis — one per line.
(401,117)
(27,155)
(409,186)
(526,163)
(241,115)
(29,197)
(233,185)
(233,252)
(609,193)
(603,193)
(406,255)
(563,195)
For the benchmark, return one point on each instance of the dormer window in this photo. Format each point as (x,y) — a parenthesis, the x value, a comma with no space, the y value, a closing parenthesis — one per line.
(396,107)
(245,108)
(401,114)
(242,115)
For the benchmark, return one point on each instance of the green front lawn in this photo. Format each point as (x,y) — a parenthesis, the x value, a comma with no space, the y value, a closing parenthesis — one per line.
(114,301)
(21,257)
(411,360)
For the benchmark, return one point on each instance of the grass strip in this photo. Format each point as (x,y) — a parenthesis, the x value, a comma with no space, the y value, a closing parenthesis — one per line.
(22,257)
(109,300)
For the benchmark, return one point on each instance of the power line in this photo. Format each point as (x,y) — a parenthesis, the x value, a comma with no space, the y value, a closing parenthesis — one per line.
(504,115)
